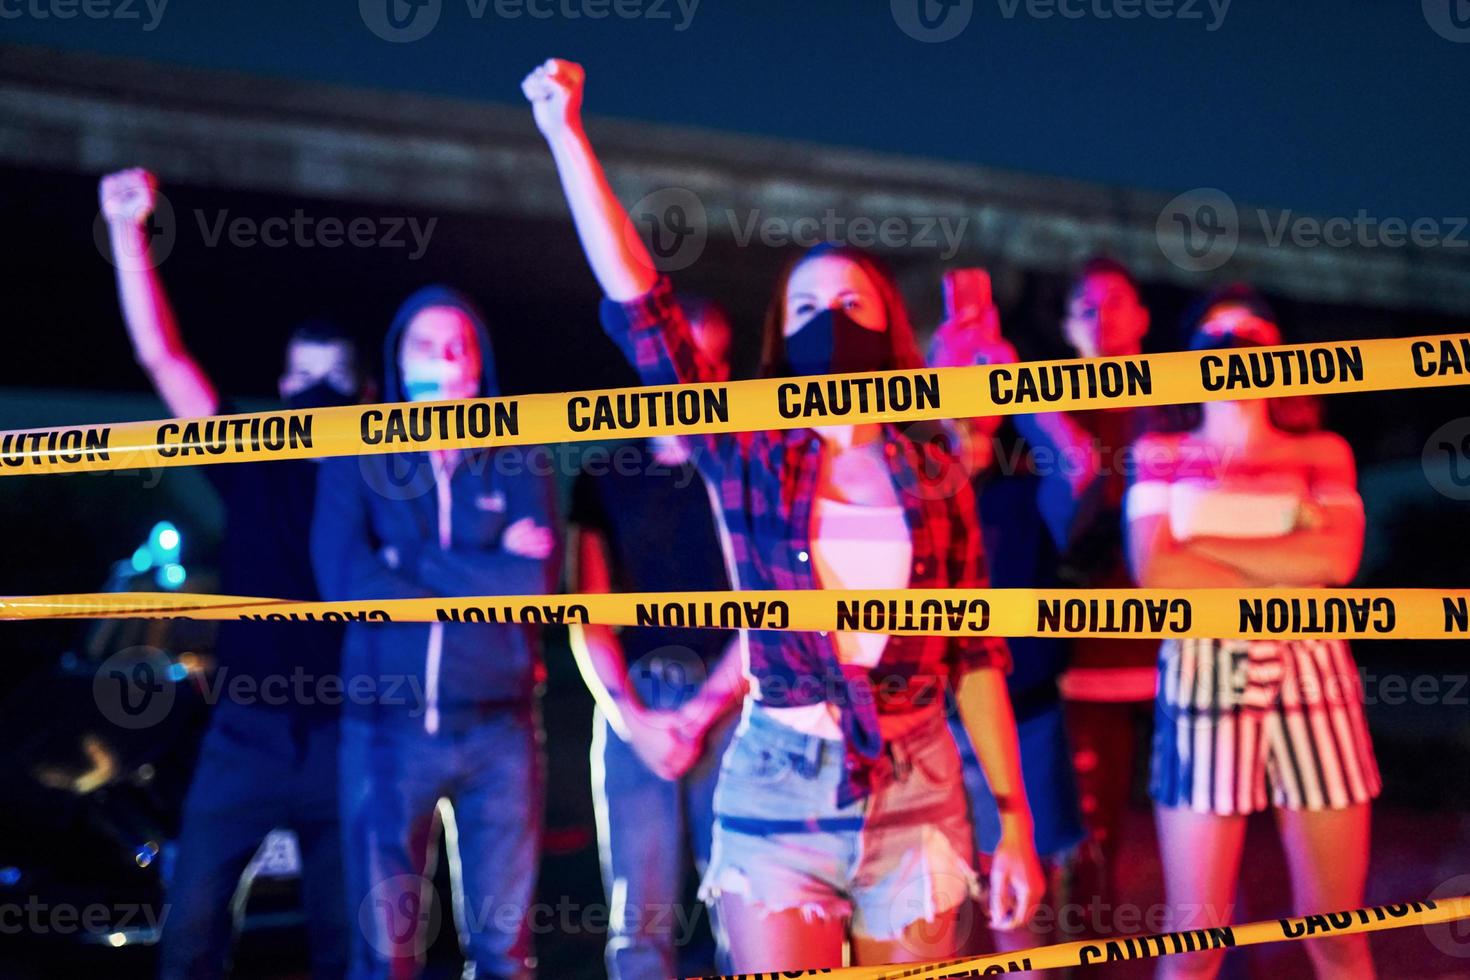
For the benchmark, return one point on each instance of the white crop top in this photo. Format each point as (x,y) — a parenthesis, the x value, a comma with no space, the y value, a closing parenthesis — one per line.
(854,546)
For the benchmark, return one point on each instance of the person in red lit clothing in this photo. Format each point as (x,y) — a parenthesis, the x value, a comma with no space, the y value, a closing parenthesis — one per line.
(1251,494)
(1109,683)
(840,813)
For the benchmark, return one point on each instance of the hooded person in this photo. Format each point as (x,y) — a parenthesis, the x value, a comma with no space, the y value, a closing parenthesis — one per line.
(438,710)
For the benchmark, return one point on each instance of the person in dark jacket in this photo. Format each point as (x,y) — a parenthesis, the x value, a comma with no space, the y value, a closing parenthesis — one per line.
(438,710)
(269,757)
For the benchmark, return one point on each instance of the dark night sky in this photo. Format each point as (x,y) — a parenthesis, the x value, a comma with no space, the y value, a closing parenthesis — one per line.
(1326,106)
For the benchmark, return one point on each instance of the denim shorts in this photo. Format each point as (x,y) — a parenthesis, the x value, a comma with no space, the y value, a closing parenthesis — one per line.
(902,854)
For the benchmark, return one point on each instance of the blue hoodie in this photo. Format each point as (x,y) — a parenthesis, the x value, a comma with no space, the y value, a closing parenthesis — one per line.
(377,534)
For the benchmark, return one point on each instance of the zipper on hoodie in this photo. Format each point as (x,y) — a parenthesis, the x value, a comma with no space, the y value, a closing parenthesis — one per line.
(443,465)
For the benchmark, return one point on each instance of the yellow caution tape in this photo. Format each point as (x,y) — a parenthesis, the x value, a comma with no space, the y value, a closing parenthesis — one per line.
(1093,952)
(1137,613)
(747,406)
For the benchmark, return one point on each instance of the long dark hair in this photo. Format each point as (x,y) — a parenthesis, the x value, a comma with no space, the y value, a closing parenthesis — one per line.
(903,348)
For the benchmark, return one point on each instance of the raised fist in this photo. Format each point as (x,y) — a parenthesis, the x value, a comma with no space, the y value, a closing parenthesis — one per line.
(128,196)
(554,90)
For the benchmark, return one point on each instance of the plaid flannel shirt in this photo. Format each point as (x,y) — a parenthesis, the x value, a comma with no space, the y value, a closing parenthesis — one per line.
(766,483)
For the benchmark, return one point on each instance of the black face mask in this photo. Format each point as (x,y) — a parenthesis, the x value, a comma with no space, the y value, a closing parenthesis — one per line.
(320,395)
(1202,341)
(832,343)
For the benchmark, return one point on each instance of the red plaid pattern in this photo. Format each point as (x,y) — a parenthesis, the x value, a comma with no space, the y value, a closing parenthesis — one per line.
(766,482)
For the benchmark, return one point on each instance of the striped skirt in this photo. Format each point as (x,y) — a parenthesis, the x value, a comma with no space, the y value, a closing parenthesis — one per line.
(1232,716)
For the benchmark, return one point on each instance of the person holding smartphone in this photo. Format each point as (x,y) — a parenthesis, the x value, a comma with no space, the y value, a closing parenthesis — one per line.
(840,816)
(1027,512)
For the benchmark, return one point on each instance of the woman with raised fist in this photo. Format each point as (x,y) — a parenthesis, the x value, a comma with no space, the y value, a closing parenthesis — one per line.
(840,813)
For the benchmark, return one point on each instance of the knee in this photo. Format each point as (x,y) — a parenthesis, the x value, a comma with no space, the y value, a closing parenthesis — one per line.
(1341,956)
(1191,966)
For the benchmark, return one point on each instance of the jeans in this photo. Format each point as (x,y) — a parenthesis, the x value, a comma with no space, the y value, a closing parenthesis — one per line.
(258,770)
(393,776)
(646,829)
(782,841)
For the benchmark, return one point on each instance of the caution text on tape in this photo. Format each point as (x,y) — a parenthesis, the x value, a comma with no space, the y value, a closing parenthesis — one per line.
(1136,613)
(1428,912)
(746,406)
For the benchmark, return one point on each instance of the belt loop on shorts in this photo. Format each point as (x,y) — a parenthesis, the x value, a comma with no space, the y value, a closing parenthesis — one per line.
(903,763)
(808,761)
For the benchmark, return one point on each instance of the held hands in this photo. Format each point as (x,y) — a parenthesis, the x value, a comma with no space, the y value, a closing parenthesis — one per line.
(528,539)
(662,740)
(128,196)
(554,90)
